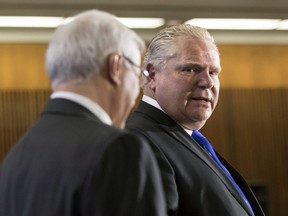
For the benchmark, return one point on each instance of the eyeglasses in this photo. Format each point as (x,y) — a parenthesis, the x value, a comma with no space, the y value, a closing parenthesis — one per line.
(143,71)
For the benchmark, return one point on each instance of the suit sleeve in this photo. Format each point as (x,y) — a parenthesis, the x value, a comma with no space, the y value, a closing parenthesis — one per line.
(126,181)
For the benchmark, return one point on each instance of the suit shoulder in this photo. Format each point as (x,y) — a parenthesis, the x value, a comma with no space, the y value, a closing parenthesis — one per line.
(128,139)
(140,121)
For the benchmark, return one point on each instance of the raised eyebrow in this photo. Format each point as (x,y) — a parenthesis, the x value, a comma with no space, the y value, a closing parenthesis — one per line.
(187,65)
(197,65)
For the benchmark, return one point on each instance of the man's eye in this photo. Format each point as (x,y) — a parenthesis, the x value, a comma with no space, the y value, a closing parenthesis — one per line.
(214,73)
(190,70)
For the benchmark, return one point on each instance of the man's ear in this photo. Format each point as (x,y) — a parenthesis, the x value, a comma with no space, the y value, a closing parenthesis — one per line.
(151,70)
(151,78)
(115,68)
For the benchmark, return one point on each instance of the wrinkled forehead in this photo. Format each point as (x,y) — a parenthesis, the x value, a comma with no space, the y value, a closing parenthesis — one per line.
(195,45)
(196,49)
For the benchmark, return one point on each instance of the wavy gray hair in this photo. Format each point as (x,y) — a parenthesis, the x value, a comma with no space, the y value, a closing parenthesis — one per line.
(162,45)
(80,48)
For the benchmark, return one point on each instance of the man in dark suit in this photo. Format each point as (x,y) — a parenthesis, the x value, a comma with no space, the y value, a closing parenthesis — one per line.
(180,95)
(76,159)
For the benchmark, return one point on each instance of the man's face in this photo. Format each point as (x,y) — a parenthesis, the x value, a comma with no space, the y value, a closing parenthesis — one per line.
(130,87)
(187,88)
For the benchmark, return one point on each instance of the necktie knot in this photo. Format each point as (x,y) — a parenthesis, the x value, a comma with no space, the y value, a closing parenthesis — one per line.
(200,139)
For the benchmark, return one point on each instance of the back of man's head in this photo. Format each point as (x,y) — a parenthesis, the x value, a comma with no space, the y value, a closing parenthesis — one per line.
(79,49)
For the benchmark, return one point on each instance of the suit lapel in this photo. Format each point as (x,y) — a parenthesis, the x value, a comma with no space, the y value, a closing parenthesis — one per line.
(244,186)
(206,158)
(178,133)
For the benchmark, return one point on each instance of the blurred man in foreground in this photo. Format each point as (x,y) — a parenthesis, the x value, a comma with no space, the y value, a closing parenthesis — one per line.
(76,160)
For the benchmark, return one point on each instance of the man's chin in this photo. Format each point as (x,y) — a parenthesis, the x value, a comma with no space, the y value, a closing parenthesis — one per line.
(202,115)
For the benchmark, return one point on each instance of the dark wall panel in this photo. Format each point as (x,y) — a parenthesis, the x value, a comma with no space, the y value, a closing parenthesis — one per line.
(18,111)
(249,128)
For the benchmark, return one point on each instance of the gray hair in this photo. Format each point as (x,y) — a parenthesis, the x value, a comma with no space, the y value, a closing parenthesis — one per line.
(162,45)
(80,48)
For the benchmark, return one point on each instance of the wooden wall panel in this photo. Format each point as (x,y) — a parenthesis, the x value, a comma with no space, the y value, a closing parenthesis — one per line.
(22,66)
(18,111)
(254,66)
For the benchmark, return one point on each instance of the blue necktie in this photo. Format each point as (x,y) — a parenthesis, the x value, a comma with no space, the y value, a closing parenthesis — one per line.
(200,139)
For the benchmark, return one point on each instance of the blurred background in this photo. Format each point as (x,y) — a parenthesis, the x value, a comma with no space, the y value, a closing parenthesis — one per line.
(249,126)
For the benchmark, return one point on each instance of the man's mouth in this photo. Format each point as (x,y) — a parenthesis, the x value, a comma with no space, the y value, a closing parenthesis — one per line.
(202,99)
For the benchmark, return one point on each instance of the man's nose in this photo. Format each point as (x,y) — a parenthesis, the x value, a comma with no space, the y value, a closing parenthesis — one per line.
(205,79)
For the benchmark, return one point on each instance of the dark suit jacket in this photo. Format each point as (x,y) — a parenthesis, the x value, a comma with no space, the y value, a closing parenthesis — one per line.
(70,163)
(194,184)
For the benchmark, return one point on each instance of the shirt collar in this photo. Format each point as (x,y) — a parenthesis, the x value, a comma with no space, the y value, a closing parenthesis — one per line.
(154,103)
(85,102)
(189,131)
